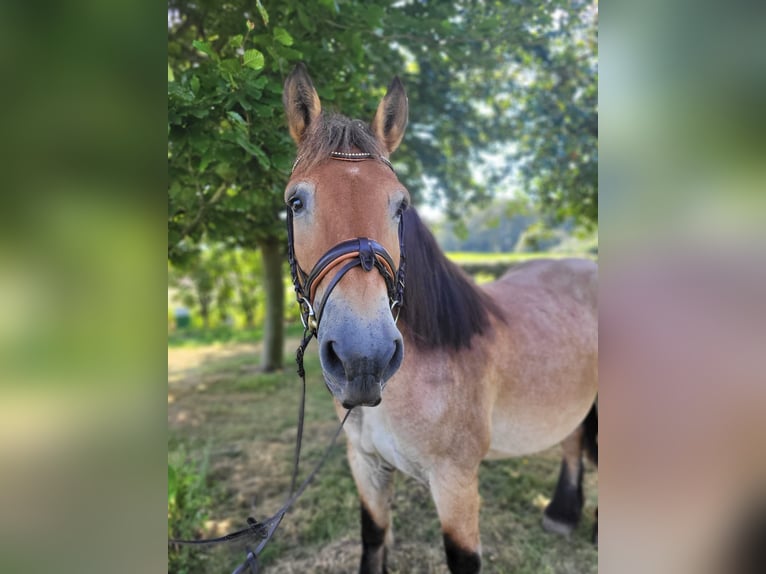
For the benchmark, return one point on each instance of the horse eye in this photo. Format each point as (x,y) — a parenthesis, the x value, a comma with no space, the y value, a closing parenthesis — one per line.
(403,205)
(296,204)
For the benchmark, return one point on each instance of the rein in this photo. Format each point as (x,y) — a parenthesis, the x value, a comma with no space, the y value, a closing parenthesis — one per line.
(263,531)
(360,252)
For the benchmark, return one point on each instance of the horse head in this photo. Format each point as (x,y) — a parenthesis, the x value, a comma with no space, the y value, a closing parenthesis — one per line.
(345,208)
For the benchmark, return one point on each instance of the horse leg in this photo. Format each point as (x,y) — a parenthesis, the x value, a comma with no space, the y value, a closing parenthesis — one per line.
(590,442)
(456,496)
(374,481)
(564,511)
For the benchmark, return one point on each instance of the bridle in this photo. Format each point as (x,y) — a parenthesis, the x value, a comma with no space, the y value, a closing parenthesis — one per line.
(358,252)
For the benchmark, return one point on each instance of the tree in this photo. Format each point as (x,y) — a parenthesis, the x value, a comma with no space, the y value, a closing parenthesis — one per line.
(462,62)
(557,117)
(246,267)
(229,159)
(223,275)
(196,284)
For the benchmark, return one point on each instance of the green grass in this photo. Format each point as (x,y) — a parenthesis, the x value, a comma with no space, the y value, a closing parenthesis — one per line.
(222,334)
(239,425)
(486,267)
(461,257)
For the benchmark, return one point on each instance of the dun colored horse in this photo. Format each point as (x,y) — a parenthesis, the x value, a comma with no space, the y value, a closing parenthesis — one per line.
(440,373)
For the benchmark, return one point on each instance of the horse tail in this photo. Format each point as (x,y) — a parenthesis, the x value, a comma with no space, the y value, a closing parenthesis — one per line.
(590,436)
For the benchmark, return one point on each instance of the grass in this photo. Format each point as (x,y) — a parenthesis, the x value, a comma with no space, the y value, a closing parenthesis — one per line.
(463,257)
(241,423)
(222,334)
(486,267)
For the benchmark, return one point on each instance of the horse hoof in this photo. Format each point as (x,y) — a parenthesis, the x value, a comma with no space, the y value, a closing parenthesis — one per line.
(557,527)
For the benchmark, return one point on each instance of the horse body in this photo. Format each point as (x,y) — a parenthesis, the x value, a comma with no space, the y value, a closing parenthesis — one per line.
(523,391)
(467,373)
(526,386)
(545,365)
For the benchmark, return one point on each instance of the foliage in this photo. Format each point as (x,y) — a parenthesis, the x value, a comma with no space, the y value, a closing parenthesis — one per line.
(511,81)
(245,266)
(495,228)
(480,76)
(222,334)
(505,226)
(226,277)
(188,507)
(196,283)
(556,122)
(477,77)
(228,155)
(539,237)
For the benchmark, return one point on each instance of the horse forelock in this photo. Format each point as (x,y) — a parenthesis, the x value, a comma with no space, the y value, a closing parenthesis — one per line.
(442,306)
(334,132)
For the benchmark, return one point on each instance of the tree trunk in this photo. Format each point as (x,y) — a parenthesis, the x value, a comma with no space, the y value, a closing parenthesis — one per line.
(274,323)
(249,318)
(204,311)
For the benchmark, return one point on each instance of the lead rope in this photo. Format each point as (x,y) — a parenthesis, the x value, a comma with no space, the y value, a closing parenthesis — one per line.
(265,530)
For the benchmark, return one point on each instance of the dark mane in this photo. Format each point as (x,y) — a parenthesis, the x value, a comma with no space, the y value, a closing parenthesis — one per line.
(335,132)
(442,306)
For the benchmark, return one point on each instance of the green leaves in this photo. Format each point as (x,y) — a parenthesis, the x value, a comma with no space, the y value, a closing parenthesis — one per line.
(253,59)
(172,484)
(262,158)
(237,119)
(179,92)
(503,79)
(283,36)
(241,136)
(204,47)
(262,12)
(213,145)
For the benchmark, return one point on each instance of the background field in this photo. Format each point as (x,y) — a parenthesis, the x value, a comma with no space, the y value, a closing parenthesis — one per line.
(231,433)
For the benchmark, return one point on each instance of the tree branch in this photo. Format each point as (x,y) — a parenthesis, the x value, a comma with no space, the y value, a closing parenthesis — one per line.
(198,218)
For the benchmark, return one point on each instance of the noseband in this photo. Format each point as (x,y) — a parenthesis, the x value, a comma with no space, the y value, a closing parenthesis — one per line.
(359,252)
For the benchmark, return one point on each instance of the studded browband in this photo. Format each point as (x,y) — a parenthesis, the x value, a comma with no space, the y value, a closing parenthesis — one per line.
(349,156)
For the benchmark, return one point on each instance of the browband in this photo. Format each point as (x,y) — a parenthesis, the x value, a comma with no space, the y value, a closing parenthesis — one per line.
(349,156)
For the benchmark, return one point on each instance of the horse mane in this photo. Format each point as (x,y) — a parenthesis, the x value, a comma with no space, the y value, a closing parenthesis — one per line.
(442,307)
(334,132)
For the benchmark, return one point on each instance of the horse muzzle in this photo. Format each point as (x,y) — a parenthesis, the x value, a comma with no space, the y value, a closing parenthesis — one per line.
(358,356)
(364,391)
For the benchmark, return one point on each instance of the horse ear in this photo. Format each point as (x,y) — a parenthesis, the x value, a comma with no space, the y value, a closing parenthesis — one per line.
(301,102)
(391,118)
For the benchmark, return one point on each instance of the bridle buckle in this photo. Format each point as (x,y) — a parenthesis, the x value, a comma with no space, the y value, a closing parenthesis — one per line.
(308,317)
(396,309)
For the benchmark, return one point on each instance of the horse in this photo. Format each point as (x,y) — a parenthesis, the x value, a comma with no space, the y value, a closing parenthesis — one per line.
(439,373)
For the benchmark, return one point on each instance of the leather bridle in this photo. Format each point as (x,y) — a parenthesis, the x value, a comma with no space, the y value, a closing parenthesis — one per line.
(358,252)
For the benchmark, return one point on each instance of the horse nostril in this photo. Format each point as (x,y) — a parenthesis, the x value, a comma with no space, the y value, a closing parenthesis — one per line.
(351,403)
(395,361)
(330,359)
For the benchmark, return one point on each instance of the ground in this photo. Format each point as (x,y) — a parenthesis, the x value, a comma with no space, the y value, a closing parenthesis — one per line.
(238,426)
